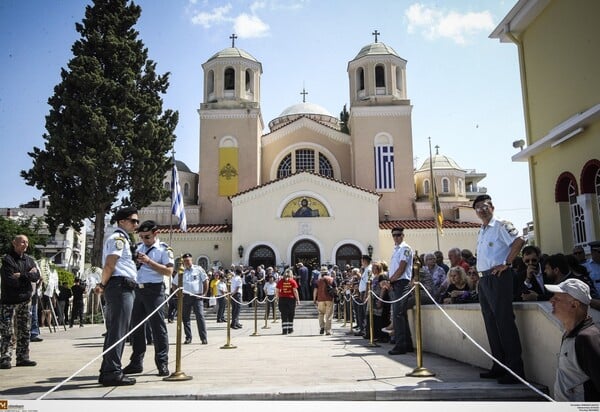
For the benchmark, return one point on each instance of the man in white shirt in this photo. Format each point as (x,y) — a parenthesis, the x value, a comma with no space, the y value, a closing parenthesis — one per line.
(195,283)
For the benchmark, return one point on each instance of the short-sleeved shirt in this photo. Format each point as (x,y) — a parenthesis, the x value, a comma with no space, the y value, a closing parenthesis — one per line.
(494,242)
(364,279)
(286,288)
(594,269)
(159,252)
(236,284)
(402,252)
(270,288)
(118,244)
(193,280)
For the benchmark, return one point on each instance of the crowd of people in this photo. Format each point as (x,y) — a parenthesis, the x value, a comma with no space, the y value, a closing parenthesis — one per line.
(502,271)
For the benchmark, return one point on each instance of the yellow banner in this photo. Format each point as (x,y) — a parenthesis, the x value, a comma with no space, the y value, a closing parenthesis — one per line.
(228,171)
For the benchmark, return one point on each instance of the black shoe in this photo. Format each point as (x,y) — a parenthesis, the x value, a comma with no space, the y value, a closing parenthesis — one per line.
(284,332)
(121,381)
(204,342)
(508,380)
(36,339)
(239,326)
(26,362)
(236,327)
(131,369)
(187,341)
(491,374)
(290,331)
(322,331)
(396,352)
(5,364)
(163,370)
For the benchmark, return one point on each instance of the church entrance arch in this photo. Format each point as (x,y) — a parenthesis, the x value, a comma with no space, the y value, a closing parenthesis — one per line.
(348,254)
(261,255)
(307,252)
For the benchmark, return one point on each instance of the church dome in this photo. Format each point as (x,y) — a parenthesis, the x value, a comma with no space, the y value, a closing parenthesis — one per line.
(310,110)
(375,49)
(440,162)
(232,52)
(182,167)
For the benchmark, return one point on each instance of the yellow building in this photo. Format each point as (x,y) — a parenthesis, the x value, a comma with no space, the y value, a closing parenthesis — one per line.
(311,188)
(558,44)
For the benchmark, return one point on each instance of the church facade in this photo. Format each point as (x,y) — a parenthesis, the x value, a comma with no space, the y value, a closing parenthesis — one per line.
(312,188)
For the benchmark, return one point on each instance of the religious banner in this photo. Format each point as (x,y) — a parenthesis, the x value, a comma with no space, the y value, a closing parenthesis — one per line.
(305,206)
(228,171)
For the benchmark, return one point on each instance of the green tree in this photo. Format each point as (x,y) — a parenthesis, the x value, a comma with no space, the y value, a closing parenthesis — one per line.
(30,227)
(344,117)
(107,136)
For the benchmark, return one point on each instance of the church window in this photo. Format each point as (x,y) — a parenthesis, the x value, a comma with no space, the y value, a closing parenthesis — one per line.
(325,167)
(229,79)
(167,185)
(379,76)
(285,167)
(248,80)
(186,189)
(210,82)
(426,188)
(305,160)
(445,185)
(361,79)
(577,216)
(460,186)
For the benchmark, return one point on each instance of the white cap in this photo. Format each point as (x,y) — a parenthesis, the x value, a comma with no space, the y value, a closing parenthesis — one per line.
(574,287)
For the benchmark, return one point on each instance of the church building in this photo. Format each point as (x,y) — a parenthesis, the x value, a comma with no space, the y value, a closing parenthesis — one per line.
(312,188)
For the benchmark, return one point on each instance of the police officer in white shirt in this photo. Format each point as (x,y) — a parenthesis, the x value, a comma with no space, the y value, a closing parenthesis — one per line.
(118,283)
(498,244)
(155,264)
(195,283)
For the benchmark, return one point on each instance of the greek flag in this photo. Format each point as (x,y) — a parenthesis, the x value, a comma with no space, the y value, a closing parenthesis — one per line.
(384,167)
(177,200)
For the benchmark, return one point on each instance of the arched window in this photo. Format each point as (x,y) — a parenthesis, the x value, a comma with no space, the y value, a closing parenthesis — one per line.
(229,79)
(577,216)
(379,76)
(360,79)
(210,82)
(285,167)
(248,80)
(186,189)
(347,255)
(305,160)
(445,185)
(325,167)
(167,185)
(426,187)
(460,185)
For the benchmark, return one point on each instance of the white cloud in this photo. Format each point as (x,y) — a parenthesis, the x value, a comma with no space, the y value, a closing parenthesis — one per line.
(217,15)
(459,27)
(249,26)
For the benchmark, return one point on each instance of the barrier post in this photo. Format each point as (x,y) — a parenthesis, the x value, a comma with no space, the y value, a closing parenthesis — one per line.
(370,307)
(255,311)
(419,371)
(179,375)
(228,345)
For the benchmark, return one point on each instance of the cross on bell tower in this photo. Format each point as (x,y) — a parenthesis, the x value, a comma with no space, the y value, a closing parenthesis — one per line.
(233,37)
(304,93)
(375,33)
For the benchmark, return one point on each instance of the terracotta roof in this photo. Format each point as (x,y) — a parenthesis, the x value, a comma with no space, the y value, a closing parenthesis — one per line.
(426,224)
(300,172)
(222,228)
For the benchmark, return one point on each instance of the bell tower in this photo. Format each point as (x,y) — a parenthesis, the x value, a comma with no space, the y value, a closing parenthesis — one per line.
(381,128)
(231,125)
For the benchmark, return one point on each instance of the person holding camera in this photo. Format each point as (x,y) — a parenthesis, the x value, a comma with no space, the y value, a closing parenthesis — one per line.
(533,285)
(154,262)
(118,282)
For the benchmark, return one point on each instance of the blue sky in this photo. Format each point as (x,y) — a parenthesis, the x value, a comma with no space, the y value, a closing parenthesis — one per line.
(464,87)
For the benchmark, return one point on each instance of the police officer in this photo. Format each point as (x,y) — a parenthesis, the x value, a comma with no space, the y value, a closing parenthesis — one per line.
(498,243)
(155,262)
(195,282)
(118,283)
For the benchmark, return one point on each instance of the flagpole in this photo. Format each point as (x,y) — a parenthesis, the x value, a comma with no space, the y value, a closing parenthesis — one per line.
(434,194)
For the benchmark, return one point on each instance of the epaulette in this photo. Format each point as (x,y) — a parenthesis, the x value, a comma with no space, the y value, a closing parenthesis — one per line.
(510,228)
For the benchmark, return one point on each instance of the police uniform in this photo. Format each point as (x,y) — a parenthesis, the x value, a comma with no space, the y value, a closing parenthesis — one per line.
(194,278)
(402,335)
(119,296)
(496,295)
(149,295)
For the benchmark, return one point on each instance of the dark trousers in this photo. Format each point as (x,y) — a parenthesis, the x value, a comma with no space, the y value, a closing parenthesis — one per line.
(119,303)
(401,327)
(270,306)
(196,304)
(235,309)
(361,313)
(287,307)
(63,311)
(77,312)
(496,297)
(148,298)
(221,305)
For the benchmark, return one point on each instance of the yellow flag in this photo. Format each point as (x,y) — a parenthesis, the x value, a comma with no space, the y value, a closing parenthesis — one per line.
(228,171)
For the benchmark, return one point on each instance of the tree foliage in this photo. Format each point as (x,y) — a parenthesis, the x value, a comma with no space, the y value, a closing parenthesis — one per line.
(344,117)
(30,227)
(108,138)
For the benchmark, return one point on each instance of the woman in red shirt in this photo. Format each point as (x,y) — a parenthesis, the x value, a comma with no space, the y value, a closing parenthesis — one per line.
(287,295)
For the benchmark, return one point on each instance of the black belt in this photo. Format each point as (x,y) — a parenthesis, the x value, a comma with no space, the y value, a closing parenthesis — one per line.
(123,281)
(149,285)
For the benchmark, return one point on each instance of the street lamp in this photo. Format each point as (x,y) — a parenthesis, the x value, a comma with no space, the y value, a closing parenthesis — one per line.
(241,251)
(370,250)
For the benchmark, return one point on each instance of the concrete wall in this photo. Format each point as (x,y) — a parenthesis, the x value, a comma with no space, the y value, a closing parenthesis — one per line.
(539,331)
